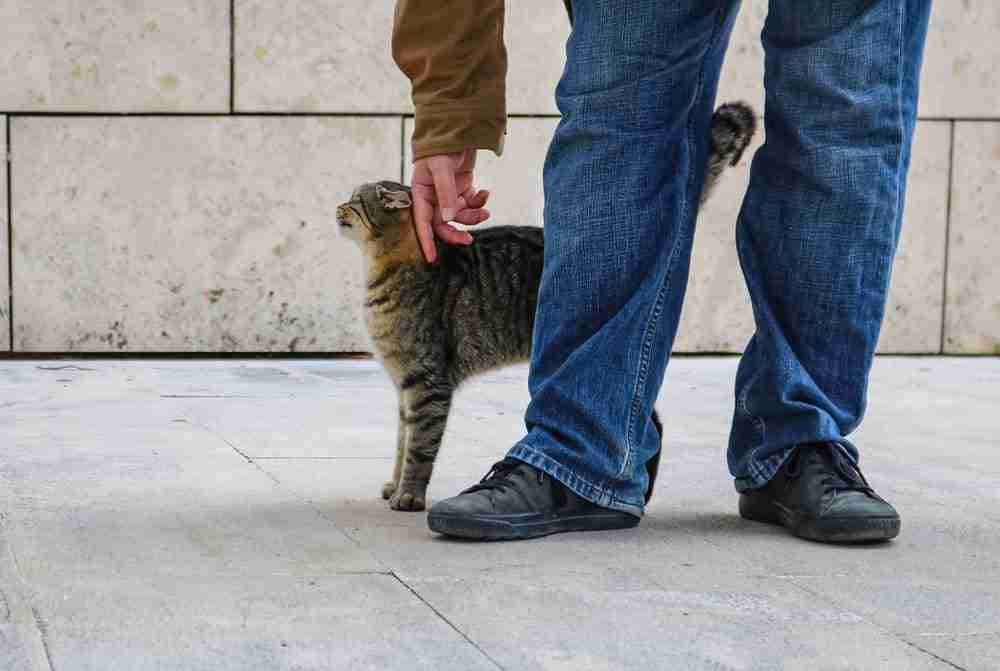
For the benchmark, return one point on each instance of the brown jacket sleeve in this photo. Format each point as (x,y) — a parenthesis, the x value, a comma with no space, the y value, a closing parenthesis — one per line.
(454,54)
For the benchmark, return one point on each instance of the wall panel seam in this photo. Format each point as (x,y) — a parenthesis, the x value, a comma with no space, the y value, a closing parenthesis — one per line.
(947,236)
(10,234)
(232,56)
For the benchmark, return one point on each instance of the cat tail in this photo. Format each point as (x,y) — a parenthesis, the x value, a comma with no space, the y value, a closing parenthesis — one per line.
(733,127)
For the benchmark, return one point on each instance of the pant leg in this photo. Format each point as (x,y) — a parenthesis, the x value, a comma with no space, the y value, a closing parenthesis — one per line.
(819,225)
(622,180)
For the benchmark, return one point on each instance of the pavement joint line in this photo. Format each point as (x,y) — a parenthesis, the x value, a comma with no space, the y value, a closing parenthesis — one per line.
(43,631)
(209,396)
(803,576)
(447,621)
(792,580)
(22,612)
(962,634)
(927,652)
(307,502)
(225,440)
(884,630)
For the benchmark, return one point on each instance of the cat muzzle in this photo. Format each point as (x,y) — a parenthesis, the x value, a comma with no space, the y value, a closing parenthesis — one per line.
(343,216)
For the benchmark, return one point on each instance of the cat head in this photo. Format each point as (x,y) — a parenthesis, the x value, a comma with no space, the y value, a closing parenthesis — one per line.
(377,215)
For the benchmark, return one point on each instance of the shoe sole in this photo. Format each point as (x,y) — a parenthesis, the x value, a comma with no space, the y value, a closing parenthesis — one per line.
(489,528)
(827,530)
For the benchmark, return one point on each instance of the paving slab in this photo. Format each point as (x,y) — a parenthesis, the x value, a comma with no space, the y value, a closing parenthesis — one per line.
(170,514)
(12,655)
(599,626)
(281,622)
(21,645)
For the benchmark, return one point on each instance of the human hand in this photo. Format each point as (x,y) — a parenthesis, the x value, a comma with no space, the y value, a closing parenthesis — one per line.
(442,192)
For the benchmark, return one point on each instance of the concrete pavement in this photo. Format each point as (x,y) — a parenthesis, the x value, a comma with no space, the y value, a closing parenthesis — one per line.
(225,515)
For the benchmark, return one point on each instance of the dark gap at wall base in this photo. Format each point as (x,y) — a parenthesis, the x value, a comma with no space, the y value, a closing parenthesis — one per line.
(139,356)
(351,356)
(220,114)
(374,115)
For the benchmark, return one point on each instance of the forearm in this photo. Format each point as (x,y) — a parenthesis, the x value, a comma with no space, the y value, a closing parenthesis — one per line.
(454,55)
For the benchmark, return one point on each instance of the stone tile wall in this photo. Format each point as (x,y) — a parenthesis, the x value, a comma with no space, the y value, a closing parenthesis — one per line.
(174,167)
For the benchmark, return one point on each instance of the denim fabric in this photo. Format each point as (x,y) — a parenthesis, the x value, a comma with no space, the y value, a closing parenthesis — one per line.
(816,235)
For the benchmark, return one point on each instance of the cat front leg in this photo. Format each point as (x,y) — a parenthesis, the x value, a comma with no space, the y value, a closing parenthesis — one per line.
(427,405)
(389,488)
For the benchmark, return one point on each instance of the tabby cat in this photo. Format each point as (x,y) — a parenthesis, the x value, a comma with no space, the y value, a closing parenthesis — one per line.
(435,325)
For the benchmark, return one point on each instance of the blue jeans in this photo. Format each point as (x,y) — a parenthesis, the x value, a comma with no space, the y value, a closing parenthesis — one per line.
(816,235)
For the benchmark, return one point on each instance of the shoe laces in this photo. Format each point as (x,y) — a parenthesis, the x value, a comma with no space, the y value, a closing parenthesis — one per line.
(498,477)
(837,473)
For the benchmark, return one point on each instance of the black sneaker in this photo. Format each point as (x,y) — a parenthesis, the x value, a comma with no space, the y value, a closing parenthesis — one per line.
(820,495)
(514,501)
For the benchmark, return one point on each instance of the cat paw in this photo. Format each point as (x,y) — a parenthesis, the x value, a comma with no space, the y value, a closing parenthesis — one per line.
(388,489)
(409,496)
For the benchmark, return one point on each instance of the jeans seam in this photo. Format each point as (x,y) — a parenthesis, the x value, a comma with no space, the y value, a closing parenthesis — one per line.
(743,404)
(570,478)
(654,318)
(899,108)
(745,401)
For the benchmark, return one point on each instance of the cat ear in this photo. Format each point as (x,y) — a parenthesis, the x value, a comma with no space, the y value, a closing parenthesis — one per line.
(393,200)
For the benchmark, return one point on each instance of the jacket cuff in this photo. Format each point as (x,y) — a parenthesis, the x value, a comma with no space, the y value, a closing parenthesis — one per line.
(455,131)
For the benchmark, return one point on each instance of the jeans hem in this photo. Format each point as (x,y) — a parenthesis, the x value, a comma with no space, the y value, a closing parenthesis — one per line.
(581,487)
(760,471)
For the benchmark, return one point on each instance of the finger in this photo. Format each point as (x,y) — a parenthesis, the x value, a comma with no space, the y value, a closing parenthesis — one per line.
(477,199)
(437,219)
(446,189)
(423,217)
(452,235)
(469,160)
(463,182)
(472,217)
